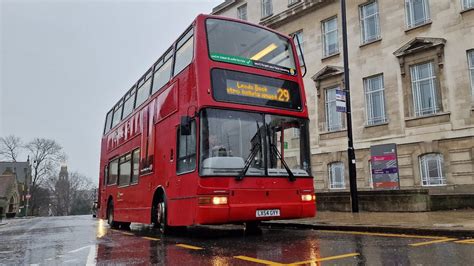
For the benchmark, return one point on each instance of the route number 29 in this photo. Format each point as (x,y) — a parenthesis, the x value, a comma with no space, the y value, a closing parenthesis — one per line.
(283,95)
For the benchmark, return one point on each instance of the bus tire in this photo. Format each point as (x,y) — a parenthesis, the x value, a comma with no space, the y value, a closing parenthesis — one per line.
(160,215)
(125,226)
(110,216)
(253,228)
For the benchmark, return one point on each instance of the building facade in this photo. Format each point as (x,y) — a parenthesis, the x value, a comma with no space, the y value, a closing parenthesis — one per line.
(412,84)
(15,178)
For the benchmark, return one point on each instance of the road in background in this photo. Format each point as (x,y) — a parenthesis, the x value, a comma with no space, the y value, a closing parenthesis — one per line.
(84,240)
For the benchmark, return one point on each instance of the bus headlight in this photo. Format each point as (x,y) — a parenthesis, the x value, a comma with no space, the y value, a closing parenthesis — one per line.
(308,197)
(219,200)
(214,200)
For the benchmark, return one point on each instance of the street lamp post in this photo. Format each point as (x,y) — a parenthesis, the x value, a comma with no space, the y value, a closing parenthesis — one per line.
(350,142)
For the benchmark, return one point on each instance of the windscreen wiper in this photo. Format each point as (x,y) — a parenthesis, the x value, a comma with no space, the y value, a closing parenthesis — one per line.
(248,161)
(278,154)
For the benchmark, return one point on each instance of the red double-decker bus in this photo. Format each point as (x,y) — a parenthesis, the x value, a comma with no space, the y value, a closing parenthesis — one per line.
(215,132)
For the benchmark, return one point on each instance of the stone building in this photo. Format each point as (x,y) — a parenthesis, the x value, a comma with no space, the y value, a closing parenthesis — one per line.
(62,193)
(412,84)
(9,197)
(14,180)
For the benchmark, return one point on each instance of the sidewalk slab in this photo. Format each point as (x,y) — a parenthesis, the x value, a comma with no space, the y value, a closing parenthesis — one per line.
(443,223)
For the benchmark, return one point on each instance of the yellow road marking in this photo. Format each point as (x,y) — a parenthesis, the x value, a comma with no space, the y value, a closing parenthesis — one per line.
(266,262)
(128,234)
(465,241)
(188,246)
(151,238)
(383,234)
(433,242)
(326,259)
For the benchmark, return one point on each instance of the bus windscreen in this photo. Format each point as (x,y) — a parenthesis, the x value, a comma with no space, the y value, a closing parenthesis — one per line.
(240,87)
(243,44)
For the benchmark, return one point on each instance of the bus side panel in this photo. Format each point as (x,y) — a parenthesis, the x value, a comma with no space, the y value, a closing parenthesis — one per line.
(181,212)
(181,205)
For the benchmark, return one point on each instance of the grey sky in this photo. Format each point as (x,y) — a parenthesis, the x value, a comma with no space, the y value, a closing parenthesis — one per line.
(64,63)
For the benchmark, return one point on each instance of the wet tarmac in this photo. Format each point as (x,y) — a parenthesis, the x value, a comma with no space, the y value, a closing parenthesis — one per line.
(84,240)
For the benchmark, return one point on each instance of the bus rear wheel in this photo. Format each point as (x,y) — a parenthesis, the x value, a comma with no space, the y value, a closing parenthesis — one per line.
(160,216)
(110,216)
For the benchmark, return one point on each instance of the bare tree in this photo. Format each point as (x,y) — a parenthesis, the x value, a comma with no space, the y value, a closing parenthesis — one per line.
(45,154)
(10,147)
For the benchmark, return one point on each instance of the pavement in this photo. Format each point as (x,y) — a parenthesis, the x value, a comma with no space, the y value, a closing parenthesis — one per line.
(440,223)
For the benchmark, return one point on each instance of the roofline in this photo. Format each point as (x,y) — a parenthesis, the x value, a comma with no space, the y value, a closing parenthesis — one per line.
(222,6)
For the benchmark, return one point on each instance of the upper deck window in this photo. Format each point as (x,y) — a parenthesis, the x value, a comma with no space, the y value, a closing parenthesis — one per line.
(117,115)
(162,72)
(108,121)
(239,43)
(184,52)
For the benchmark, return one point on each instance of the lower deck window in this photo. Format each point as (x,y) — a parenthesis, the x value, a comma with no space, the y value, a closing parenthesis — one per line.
(113,172)
(125,170)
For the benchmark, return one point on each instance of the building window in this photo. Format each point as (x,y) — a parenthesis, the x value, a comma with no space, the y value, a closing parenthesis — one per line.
(424,89)
(375,100)
(330,37)
(267,8)
(470,59)
(431,169)
(369,22)
(296,132)
(467,4)
(334,120)
(336,175)
(300,36)
(242,12)
(417,12)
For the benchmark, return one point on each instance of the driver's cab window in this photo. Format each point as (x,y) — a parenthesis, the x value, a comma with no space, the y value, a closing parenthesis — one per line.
(186,150)
(283,146)
(229,141)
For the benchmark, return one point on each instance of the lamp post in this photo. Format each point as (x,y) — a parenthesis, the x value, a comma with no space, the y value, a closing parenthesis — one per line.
(350,142)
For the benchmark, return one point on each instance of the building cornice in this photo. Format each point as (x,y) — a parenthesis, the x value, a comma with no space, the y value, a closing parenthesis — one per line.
(296,10)
(223,6)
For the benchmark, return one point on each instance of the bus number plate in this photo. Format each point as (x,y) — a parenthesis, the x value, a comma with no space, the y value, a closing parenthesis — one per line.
(268,213)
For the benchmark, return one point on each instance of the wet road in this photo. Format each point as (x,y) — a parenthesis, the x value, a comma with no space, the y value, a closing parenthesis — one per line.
(83,240)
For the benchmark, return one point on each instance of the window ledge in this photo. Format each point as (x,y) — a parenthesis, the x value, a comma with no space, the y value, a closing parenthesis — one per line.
(266,17)
(377,125)
(335,131)
(466,10)
(294,4)
(330,56)
(333,134)
(370,42)
(428,119)
(429,22)
(441,185)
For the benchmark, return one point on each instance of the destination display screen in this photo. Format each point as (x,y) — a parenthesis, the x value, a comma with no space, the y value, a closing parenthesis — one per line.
(239,87)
